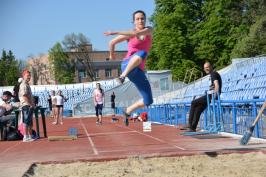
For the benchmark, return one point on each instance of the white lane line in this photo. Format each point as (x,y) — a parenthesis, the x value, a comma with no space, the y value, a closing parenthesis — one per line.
(162,141)
(95,151)
(111,133)
(3,152)
(178,147)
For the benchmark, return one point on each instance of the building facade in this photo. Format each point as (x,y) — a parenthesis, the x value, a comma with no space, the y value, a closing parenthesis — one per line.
(88,63)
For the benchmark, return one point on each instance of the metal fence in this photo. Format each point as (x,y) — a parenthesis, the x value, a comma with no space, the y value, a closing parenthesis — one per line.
(234,116)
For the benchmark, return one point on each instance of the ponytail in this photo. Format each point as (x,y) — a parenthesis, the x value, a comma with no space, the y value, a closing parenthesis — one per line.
(100,88)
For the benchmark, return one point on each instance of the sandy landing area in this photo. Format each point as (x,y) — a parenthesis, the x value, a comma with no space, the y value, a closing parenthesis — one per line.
(231,165)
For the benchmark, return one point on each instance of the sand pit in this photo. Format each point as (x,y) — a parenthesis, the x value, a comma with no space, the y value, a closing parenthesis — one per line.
(231,165)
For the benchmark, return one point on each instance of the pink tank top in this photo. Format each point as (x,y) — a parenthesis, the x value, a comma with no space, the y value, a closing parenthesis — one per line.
(135,44)
(98,96)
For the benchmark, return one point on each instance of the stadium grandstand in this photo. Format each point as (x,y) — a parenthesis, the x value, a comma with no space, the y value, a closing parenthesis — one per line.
(243,93)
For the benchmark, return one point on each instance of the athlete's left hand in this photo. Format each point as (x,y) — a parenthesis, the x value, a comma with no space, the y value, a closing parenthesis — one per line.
(108,33)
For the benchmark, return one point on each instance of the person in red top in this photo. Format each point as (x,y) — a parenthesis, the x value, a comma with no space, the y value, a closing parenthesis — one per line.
(139,43)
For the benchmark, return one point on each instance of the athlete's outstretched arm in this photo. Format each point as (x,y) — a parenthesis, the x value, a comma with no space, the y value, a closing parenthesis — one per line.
(124,35)
(131,33)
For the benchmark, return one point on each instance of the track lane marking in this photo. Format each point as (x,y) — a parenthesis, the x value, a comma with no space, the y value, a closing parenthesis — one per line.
(111,133)
(95,151)
(3,152)
(162,141)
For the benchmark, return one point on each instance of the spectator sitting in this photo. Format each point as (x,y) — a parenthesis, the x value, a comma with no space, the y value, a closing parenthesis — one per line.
(200,104)
(5,110)
(5,106)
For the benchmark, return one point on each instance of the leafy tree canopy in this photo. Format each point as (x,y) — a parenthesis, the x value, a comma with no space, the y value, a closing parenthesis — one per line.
(189,32)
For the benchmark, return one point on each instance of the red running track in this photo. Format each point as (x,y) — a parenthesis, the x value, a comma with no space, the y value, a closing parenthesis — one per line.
(110,141)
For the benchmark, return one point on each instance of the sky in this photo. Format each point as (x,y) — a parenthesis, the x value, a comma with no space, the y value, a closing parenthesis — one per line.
(32,27)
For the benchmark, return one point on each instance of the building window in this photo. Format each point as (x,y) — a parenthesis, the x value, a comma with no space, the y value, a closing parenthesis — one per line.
(164,83)
(108,73)
(96,73)
(82,74)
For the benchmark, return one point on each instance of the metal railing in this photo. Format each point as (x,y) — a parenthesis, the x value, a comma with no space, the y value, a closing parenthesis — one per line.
(236,116)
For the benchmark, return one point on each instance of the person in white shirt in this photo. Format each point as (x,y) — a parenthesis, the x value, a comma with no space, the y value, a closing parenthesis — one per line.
(27,105)
(60,99)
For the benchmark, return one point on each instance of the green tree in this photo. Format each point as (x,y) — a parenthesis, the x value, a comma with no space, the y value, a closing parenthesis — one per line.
(174,23)
(60,65)
(254,43)
(13,69)
(77,47)
(3,68)
(9,69)
(189,32)
(218,31)
(253,10)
